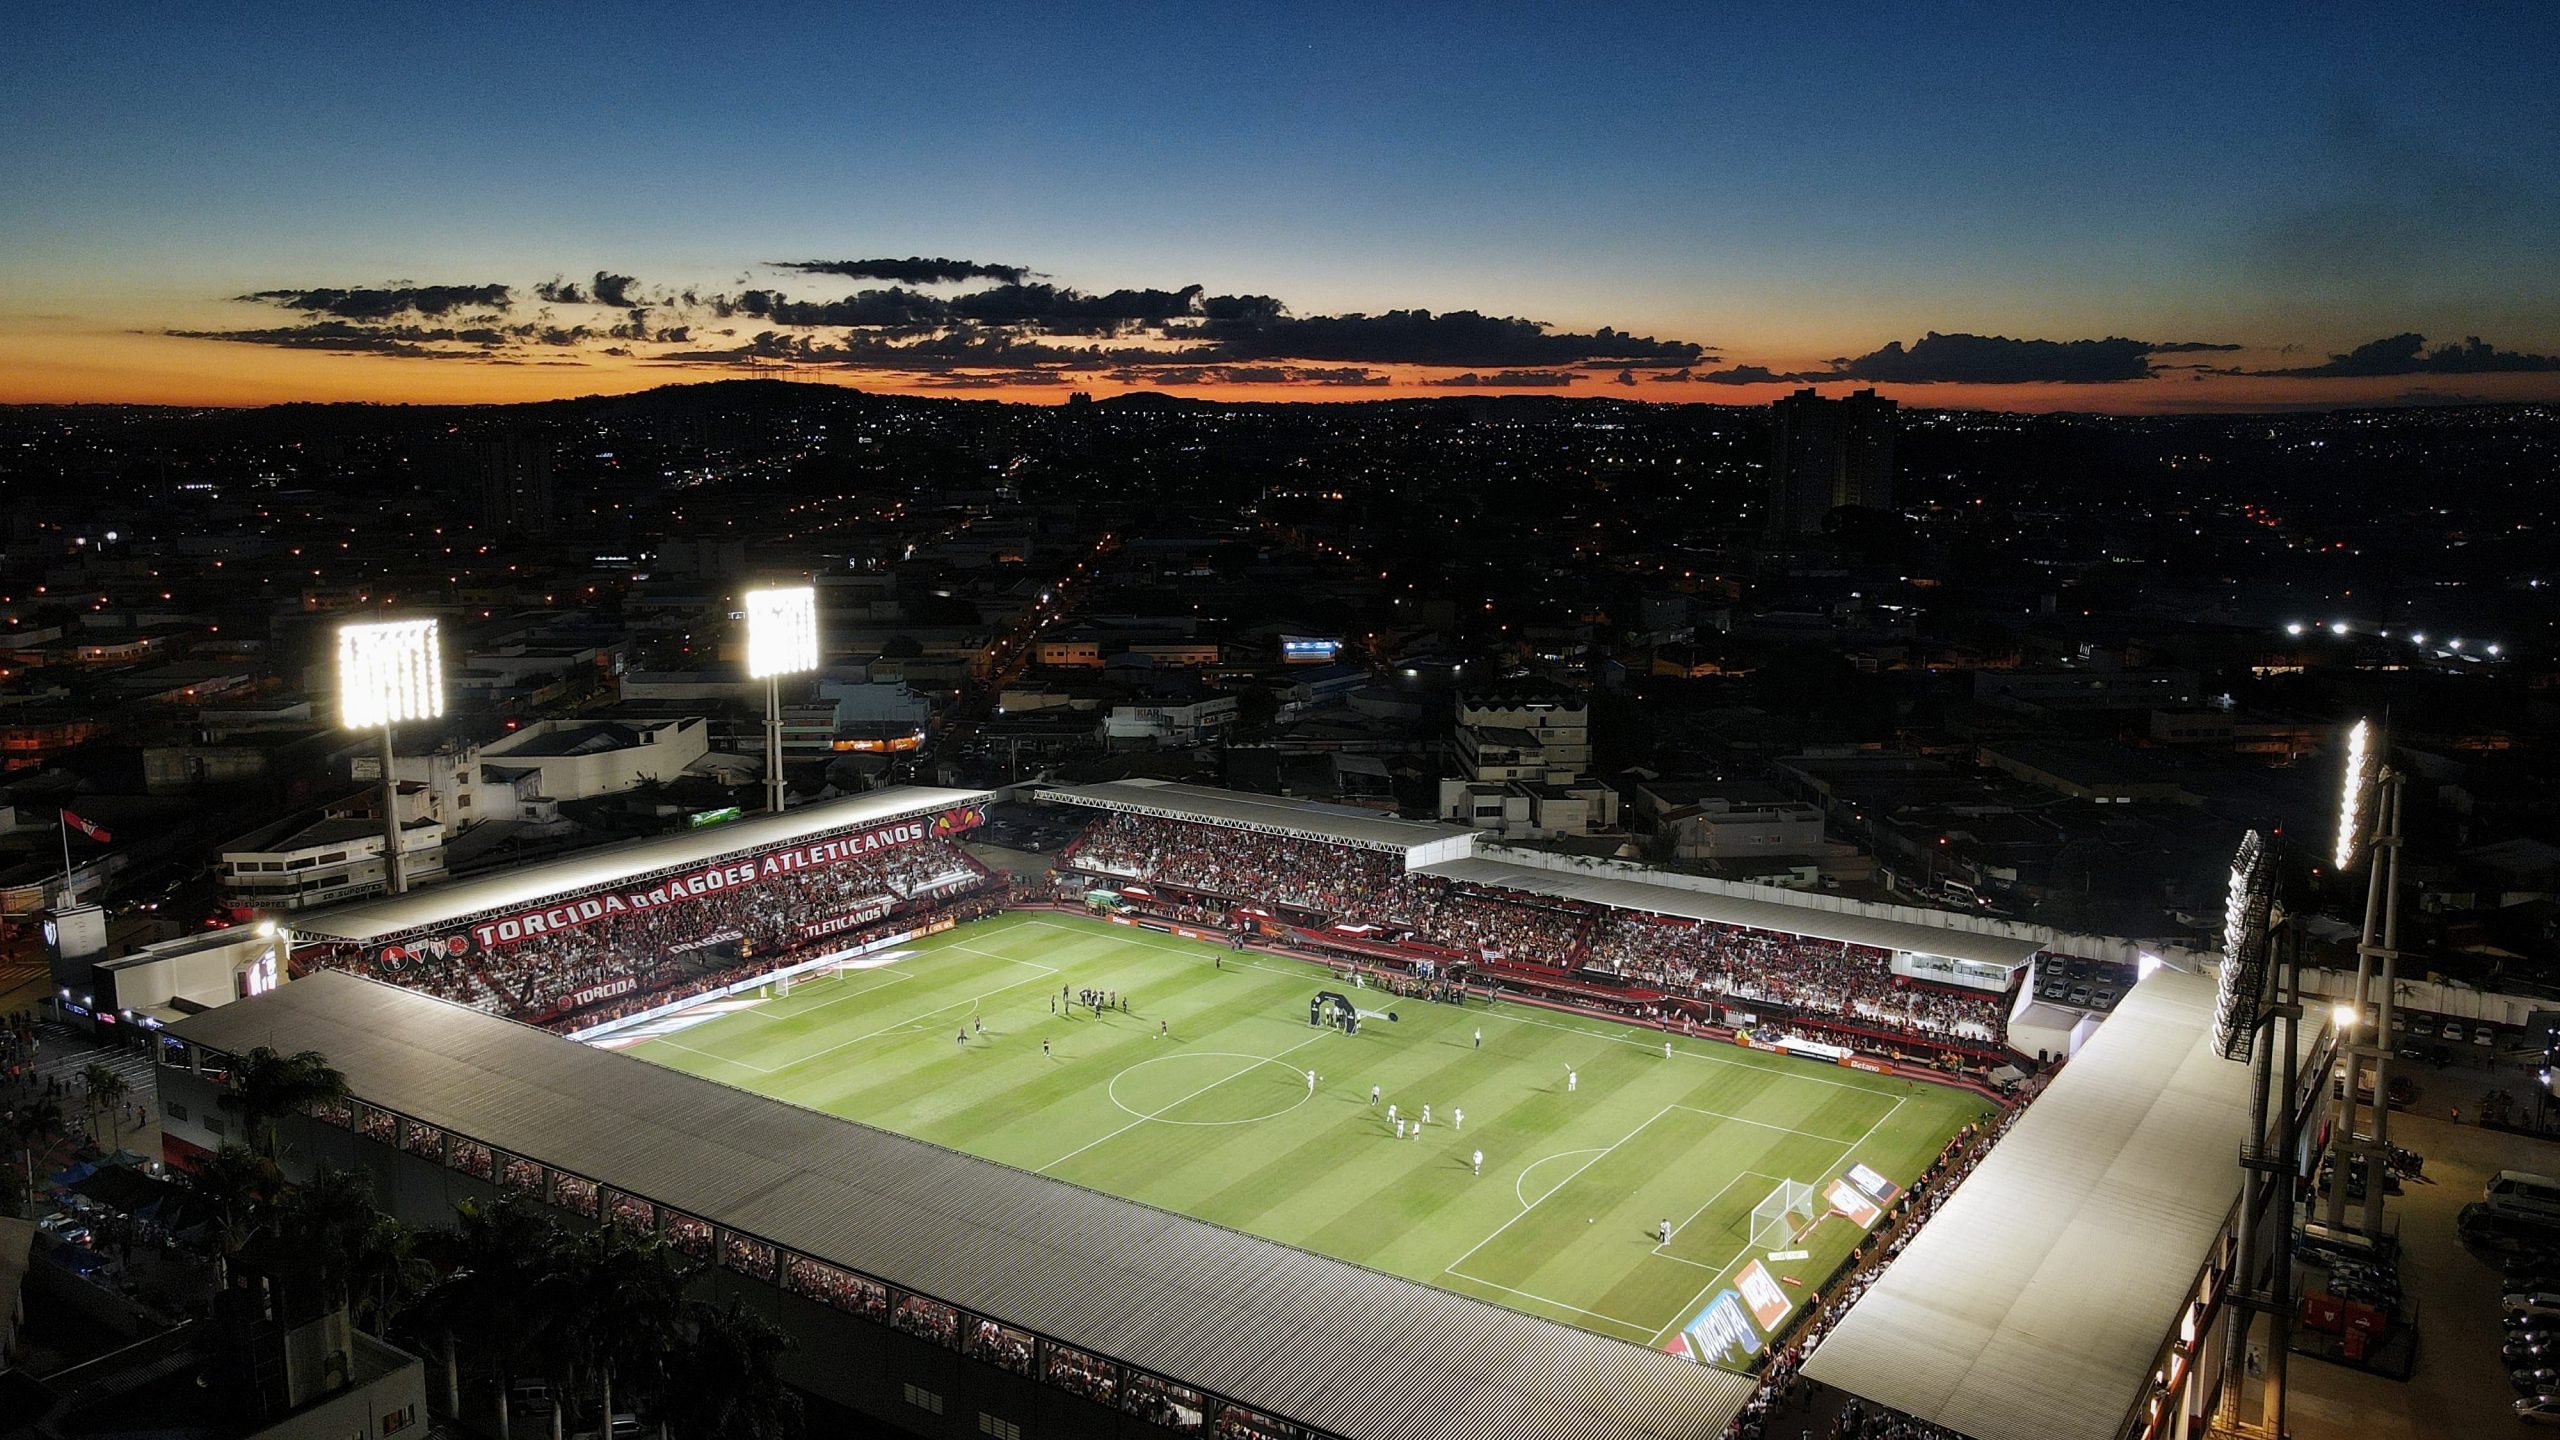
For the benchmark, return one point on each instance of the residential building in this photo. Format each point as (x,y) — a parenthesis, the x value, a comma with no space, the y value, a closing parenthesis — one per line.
(1826,454)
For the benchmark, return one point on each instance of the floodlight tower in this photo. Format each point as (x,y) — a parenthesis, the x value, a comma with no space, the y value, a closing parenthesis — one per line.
(389,671)
(782,639)
(2261,985)
(2369,821)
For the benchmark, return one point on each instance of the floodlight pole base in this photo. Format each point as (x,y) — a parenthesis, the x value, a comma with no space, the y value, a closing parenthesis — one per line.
(773,800)
(392,880)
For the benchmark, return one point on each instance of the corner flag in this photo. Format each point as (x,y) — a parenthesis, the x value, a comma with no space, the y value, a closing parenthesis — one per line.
(89,828)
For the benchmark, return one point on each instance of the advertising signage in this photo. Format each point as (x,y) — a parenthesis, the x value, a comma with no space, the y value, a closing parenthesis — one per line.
(725,877)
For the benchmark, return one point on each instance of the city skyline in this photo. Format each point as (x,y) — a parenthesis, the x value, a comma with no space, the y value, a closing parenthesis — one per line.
(1982,208)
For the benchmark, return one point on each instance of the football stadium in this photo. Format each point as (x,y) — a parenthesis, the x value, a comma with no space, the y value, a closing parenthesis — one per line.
(1251,1115)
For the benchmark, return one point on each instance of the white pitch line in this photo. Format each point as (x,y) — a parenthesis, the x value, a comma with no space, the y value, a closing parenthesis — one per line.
(1845,1150)
(1702,1209)
(1635,1326)
(1596,1158)
(1522,1196)
(917,1018)
(888,978)
(1765,1125)
(1502,1014)
(1159,1110)
(675,1044)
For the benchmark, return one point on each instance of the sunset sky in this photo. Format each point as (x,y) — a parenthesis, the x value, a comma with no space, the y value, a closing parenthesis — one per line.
(2170,208)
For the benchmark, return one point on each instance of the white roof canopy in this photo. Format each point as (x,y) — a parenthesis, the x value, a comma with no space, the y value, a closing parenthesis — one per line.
(2035,1302)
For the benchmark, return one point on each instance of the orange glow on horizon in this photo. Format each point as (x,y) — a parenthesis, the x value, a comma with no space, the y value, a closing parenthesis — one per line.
(138,368)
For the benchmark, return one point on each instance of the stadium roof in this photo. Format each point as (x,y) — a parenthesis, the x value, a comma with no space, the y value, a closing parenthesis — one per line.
(1341,824)
(1811,921)
(507,889)
(1318,1341)
(2034,1303)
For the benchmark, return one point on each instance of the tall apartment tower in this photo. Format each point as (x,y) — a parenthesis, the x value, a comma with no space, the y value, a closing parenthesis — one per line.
(1826,454)
(515,486)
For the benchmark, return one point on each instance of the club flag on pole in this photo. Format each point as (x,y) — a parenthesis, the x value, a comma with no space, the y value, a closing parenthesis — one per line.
(89,828)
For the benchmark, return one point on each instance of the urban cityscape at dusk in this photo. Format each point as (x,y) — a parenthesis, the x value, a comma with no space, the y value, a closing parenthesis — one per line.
(1036,722)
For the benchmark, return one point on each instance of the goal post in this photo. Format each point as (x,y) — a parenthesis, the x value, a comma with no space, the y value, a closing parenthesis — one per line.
(1779,1218)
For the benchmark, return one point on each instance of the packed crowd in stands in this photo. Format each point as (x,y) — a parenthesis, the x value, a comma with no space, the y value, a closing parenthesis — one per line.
(1854,982)
(1000,1347)
(1775,1410)
(647,955)
(1496,925)
(1080,1374)
(1238,864)
(1820,981)
(927,1320)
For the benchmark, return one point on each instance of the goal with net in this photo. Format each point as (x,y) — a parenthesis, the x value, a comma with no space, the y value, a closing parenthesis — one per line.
(1785,1214)
(786,981)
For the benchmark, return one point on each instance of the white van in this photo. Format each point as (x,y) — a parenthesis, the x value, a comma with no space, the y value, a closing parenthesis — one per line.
(2516,1195)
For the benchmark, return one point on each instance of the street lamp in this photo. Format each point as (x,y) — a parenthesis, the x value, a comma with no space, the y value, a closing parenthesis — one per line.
(389,671)
(782,639)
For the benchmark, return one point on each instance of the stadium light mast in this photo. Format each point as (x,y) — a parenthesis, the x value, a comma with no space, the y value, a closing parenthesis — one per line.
(389,671)
(2261,984)
(2369,801)
(782,639)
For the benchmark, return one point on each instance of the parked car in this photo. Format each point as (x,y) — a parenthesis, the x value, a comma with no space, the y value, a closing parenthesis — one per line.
(2452,1032)
(2532,1304)
(2423,1025)
(2539,1410)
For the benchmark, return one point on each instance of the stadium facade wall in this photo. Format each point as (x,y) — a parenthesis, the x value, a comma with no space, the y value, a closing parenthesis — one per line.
(2094,947)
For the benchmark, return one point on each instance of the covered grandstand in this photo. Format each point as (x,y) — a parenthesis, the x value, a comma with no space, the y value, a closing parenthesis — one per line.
(1421,899)
(1419,842)
(1987,961)
(904,1269)
(2069,1289)
(608,930)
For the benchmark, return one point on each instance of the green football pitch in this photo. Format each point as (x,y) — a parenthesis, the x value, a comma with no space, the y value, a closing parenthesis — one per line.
(1196,1100)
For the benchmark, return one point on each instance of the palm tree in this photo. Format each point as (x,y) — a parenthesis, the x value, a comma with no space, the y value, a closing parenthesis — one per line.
(618,1302)
(235,1182)
(724,1385)
(29,1124)
(267,1086)
(106,1092)
(493,1257)
(333,1215)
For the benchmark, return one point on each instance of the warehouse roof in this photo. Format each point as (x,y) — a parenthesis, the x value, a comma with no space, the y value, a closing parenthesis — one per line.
(508,889)
(2035,1303)
(1811,921)
(1201,804)
(1330,1345)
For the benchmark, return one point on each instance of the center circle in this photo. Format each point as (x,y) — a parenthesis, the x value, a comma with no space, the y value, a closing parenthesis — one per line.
(1233,1087)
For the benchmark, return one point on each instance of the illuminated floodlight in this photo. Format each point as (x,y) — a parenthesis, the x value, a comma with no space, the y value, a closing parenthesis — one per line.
(2493,649)
(2295,628)
(782,631)
(389,671)
(2455,642)
(2351,795)
(2345,1015)
(2338,627)
(2241,986)
(2419,638)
